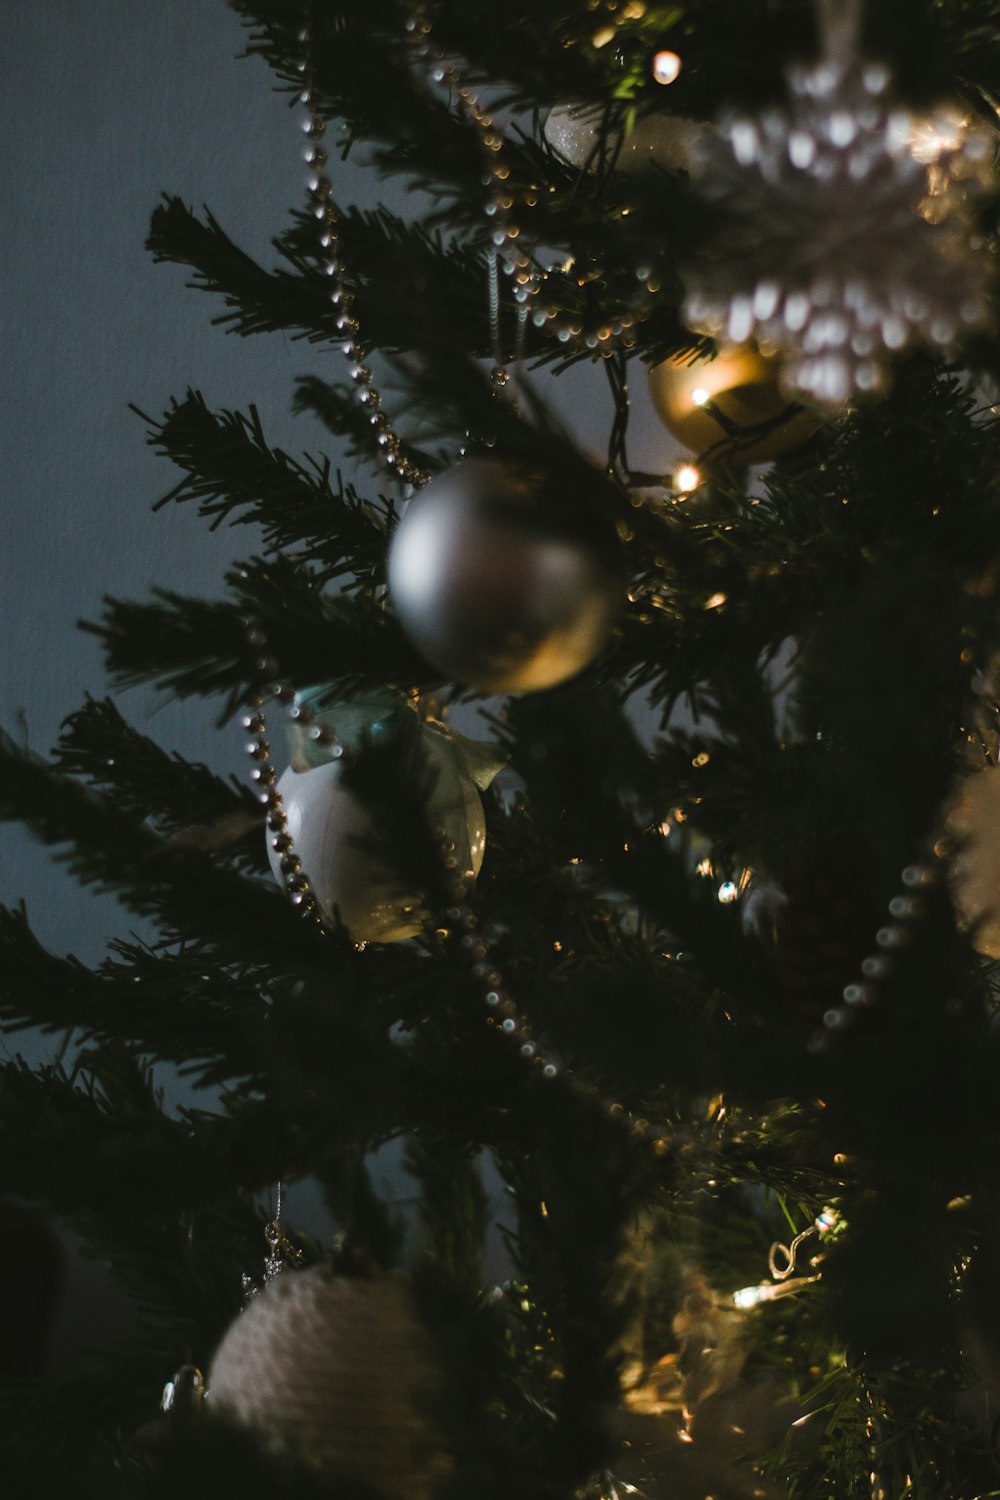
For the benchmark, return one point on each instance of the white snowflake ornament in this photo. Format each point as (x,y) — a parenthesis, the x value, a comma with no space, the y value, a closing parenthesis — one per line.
(850,233)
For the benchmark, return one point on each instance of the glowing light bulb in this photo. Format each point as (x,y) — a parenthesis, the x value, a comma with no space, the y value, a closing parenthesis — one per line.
(687,478)
(728,891)
(666,66)
(749,1296)
(700,396)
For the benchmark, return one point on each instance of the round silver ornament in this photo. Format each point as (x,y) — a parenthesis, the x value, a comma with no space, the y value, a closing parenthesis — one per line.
(973,821)
(497,585)
(337,1372)
(659,140)
(328,830)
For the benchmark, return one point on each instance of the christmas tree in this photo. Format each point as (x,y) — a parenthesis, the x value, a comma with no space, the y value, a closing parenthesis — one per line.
(624,836)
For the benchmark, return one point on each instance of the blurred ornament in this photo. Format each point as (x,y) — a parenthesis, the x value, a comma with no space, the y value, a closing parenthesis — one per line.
(973,820)
(693,1423)
(336,1372)
(850,235)
(730,407)
(499,582)
(712,1350)
(660,140)
(328,833)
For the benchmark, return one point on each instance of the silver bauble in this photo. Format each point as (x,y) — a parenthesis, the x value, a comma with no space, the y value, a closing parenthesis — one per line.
(974,822)
(659,140)
(332,836)
(337,1372)
(498,587)
(850,231)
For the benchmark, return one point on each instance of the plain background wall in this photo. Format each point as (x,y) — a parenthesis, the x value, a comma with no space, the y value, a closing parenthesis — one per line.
(106,104)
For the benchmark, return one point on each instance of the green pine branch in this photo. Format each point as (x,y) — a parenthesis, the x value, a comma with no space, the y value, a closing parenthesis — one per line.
(189,895)
(237,479)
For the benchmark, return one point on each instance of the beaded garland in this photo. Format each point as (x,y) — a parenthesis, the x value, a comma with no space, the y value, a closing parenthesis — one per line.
(507,243)
(927,873)
(507,238)
(321,194)
(462,922)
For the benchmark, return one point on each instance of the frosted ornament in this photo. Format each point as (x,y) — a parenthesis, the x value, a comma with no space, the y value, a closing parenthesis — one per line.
(501,582)
(330,828)
(850,234)
(656,141)
(973,820)
(336,1372)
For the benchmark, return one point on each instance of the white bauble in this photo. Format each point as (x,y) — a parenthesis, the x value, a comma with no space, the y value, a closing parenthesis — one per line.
(332,836)
(658,140)
(336,1371)
(974,822)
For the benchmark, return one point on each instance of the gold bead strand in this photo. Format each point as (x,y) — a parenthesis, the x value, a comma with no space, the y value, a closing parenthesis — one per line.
(905,911)
(907,908)
(502,1013)
(320,190)
(507,237)
(265,777)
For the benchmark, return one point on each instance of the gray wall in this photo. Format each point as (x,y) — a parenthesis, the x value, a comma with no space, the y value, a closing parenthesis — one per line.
(106,103)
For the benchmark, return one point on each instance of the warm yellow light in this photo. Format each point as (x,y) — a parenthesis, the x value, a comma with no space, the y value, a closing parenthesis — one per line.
(666,66)
(687,478)
(700,396)
(749,1296)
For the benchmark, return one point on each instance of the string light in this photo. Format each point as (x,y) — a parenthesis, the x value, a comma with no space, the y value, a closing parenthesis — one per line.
(687,478)
(770,1291)
(781,1262)
(666,67)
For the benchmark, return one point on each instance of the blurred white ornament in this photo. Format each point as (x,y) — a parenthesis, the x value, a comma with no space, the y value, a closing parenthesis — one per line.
(659,140)
(850,234)
(330,830)
(335,1371)
(973,821)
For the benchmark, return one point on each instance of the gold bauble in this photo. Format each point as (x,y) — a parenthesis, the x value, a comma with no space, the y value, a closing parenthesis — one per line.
(973,821)
(731,406)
